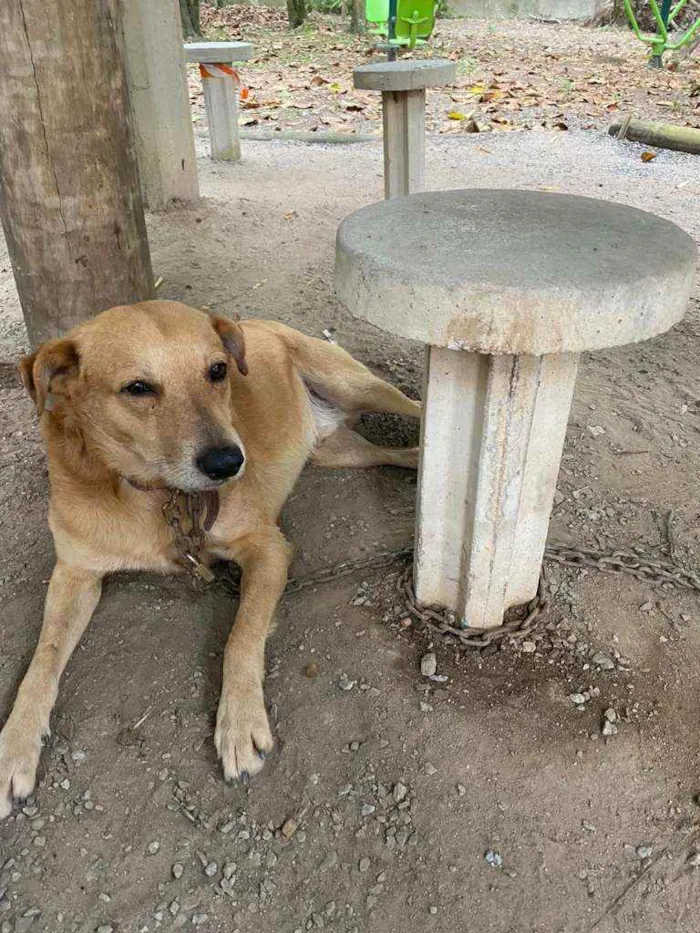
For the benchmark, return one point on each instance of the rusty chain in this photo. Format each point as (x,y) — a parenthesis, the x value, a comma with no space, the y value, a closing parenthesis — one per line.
(522,621)
(186,515)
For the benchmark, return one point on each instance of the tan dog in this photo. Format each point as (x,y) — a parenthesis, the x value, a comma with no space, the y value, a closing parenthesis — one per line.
(157,397)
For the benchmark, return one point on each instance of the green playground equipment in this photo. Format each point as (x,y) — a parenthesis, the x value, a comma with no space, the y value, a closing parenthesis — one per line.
(404,23)
(664,19)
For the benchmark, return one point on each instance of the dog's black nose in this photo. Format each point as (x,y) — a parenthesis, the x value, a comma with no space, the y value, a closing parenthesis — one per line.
(221,462)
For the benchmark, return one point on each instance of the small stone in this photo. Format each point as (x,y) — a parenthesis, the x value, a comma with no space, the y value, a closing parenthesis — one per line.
(105,898)
(433,909)
(528,647)
(494,859)
(177,871)
(65,784)
(368,809)
(644,851)
(596,430)
(211,869)
(345,683)
(199,919)
(406,622)
(39,841)
(153,847)
(609,728)
(311,669)
(105,928)
(603,661)
(428,664)
(78,755)
(429,768)
(174,908)
(227,827)
(578,698)
(694,860)
(289,827)
(399,792)
(330,861)
(610,714)
(461,790)
(229,870)
(364,864)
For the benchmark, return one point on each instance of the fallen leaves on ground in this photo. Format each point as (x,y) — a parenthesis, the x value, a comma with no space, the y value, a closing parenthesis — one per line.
(510,76)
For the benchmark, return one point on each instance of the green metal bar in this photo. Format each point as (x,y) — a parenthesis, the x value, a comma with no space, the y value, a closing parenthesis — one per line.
(687,38)
(633,21)
(676,10)
(660,24)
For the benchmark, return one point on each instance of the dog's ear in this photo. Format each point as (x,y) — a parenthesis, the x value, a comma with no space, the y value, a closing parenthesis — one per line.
(48,373)
(232,338)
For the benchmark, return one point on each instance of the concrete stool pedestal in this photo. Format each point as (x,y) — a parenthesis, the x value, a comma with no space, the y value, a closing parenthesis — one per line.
(403,85)
(506,288)
(220,92)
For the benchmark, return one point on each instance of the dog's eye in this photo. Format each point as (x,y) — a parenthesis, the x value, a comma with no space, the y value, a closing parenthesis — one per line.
(138,388)
(217,372)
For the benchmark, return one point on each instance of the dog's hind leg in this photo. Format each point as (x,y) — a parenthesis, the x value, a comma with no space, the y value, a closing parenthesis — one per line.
(335,376)
(71,600)
(346,449)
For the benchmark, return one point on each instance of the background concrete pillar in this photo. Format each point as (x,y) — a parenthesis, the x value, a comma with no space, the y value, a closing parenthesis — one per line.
(160,102)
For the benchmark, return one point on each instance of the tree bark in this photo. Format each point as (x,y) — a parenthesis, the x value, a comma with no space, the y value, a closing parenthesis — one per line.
(189,13)
(357,16)
(296,9)
(70,201)
(659,135)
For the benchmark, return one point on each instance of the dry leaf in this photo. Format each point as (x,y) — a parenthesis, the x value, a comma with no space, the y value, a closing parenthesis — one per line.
(648,156)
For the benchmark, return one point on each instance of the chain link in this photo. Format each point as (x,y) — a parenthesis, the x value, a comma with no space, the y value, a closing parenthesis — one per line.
(185,514)
(523,620)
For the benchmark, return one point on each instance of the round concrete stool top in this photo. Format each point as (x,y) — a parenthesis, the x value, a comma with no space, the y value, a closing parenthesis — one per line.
(218,53)
(404,75)
(507,271)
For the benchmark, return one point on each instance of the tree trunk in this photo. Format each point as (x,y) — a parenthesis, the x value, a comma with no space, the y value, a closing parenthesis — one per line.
(296,10)
(189,13)
(357,16)
(659,135)
(70,201)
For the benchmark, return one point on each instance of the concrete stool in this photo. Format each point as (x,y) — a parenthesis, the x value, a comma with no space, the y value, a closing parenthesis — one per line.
(220,85)
(403,85)
(507,288)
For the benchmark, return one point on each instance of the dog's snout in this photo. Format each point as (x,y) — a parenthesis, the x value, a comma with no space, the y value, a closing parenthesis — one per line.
(221,462)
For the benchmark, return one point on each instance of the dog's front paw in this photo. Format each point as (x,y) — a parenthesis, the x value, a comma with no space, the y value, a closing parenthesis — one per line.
(19,756)
(243,738)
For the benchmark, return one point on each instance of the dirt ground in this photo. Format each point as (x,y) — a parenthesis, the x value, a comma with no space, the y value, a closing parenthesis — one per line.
(387,790)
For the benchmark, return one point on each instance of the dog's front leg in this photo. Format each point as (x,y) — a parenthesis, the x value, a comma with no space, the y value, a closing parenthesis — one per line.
(71,600)
(243,736)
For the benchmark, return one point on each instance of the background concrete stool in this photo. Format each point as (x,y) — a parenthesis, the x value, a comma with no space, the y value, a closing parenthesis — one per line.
(507,288)
(220,85)
(403,85)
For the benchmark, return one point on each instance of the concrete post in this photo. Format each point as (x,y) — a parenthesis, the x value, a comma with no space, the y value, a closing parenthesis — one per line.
(160,101)
(220,85)
(493,434)
(403,85)
(506,288)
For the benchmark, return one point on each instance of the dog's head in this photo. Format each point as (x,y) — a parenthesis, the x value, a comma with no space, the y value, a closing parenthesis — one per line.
(147,390)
